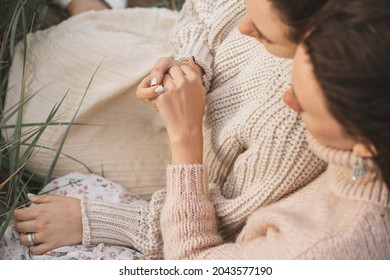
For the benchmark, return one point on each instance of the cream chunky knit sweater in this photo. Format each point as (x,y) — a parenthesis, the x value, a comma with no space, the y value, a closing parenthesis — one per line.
(333,217)
(255,148)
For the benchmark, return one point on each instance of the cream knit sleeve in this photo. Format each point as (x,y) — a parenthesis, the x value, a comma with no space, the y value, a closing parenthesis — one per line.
(135,225)
(201,27)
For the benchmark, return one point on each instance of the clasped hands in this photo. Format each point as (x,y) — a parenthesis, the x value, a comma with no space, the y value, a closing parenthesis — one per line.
(55,221)
(181,105)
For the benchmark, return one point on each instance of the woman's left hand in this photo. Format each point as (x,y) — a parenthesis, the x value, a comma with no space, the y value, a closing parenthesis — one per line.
(54,220)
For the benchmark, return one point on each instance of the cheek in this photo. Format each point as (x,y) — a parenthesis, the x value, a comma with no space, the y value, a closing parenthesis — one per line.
(319,131)
(280,50)
(327,134)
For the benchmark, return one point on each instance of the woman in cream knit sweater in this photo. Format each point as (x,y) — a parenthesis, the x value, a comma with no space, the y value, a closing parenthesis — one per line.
(345,212)
(254,147)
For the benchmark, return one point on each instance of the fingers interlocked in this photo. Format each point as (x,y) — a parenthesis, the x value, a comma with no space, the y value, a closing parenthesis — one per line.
(155,84)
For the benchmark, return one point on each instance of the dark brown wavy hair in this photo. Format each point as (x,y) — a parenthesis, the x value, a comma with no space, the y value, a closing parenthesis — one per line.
(297,14)
(350,52)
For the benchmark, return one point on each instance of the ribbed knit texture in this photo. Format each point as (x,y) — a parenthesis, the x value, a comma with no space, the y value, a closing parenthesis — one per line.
(255,148)
(334,217)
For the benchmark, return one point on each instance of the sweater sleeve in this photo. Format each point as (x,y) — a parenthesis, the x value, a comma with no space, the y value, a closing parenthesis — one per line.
(201,27)
(189,222)
(188,219)
(135,224)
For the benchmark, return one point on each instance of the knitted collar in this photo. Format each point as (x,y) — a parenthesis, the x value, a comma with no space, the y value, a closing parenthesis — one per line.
(370,187)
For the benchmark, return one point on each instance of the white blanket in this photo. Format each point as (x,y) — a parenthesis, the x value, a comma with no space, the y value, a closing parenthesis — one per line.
(125,140)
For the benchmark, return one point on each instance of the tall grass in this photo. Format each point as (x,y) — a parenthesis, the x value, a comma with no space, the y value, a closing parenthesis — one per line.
(19,17)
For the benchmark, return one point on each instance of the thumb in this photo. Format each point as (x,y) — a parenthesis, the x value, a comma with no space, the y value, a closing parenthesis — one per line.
(145,90)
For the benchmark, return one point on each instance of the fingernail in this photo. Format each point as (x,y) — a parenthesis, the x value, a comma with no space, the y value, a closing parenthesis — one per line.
(154,81)
(159,90)
(31,195)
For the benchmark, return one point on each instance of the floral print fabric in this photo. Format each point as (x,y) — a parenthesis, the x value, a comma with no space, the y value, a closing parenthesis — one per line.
(74,185)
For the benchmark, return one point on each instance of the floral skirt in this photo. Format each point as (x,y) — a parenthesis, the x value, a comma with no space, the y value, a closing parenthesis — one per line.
(74,185)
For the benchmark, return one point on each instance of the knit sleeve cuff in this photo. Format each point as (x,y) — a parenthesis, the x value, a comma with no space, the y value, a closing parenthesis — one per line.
(186,180)
(202,56)
(85,222)
(115,224)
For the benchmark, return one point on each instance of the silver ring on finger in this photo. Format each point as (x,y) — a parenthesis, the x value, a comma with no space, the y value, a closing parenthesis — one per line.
(34,239)
(31,239)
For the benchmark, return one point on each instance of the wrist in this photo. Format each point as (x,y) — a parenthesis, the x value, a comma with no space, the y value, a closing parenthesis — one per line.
(187,149)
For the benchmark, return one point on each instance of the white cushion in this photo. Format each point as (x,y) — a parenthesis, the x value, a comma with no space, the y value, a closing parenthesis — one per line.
(124,140)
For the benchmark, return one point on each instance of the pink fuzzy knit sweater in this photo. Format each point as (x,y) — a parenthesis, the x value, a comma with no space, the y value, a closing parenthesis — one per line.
(333,217)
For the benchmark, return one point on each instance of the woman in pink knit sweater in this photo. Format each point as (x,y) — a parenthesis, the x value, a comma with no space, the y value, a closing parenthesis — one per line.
(341,88)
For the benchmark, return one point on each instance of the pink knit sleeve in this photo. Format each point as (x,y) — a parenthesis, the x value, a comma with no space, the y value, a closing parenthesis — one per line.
(188,219)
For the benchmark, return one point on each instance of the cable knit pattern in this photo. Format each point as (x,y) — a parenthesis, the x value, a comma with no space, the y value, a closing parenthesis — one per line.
(334,217)
(255,148)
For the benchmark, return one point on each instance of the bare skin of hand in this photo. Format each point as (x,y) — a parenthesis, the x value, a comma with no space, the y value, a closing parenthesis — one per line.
(182,107)
(80,6)
(55,220)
